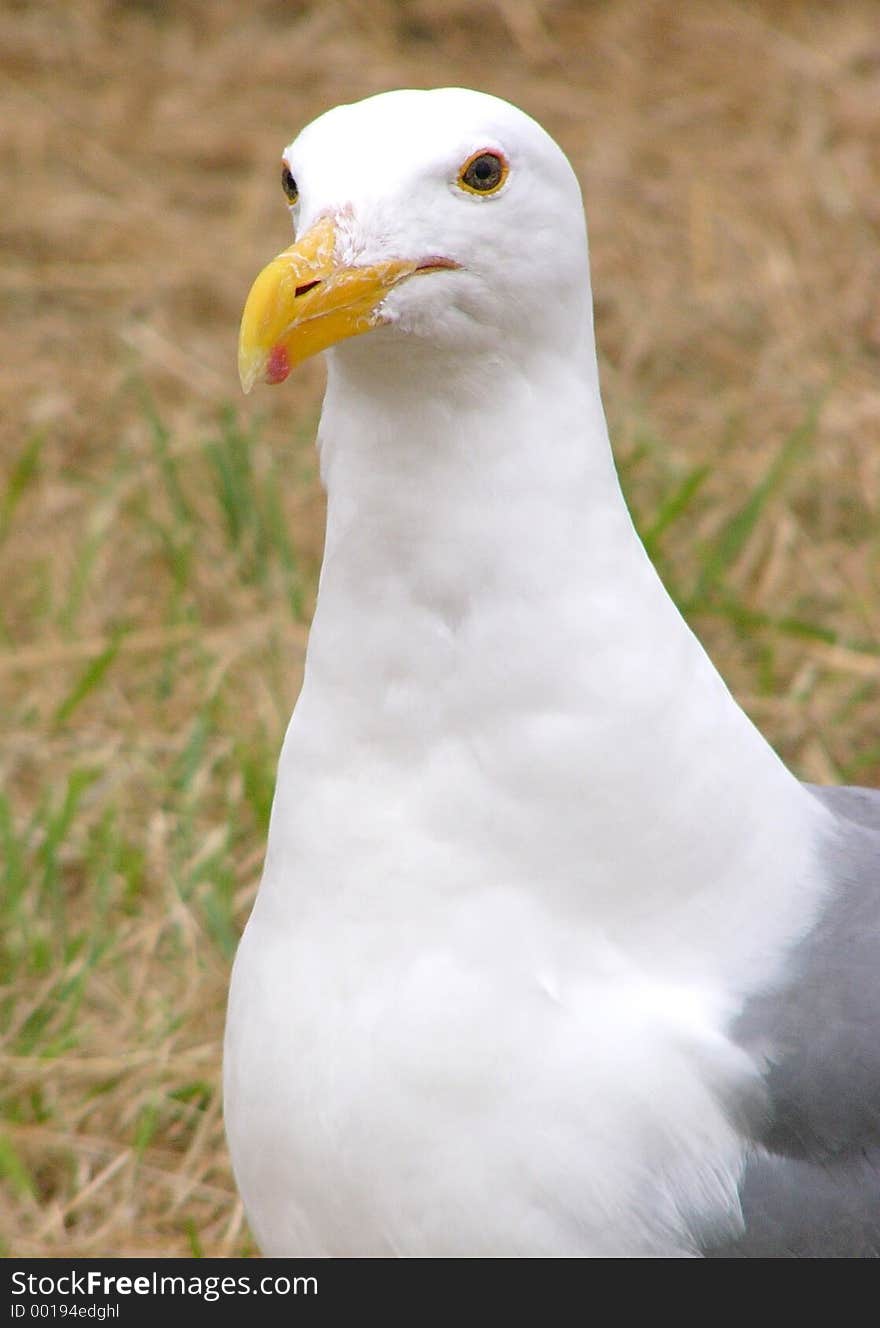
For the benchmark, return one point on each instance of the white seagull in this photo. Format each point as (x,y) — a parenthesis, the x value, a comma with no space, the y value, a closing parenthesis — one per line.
(552,956)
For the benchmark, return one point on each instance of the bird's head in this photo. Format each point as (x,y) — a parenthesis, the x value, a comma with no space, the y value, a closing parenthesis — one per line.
(445,218)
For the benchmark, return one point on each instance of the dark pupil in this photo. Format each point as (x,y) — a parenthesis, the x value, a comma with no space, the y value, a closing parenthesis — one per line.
(484,172)
(288,184)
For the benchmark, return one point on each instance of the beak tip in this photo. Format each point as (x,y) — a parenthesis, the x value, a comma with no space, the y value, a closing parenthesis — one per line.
(249,369)
(259,367)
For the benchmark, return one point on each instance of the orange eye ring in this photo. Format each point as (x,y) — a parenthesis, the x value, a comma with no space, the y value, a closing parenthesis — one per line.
(484,172)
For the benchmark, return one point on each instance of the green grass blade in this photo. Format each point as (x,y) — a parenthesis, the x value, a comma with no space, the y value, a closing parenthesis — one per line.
(13,1169)
(88,680)
(675,506)
(168,467)
(735,532)
(24,471)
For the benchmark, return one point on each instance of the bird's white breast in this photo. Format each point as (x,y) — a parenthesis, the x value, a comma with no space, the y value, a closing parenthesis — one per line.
(456,1073)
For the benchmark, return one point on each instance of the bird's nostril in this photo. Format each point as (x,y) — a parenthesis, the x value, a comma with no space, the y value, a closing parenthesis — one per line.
(307,286)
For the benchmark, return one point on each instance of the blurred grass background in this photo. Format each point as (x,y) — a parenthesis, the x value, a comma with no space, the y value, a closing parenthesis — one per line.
(160,540)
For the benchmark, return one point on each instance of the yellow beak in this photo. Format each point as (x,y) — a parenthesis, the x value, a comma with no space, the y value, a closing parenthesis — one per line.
(304,301)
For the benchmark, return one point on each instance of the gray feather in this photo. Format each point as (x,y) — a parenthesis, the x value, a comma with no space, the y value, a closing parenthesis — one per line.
(803,1210)
(815,1191)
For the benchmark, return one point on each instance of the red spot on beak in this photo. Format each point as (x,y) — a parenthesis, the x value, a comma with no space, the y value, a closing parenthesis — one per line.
(277,365)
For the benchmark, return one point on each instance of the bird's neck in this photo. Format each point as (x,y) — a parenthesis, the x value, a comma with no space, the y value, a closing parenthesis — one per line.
(484,590)
(458,480)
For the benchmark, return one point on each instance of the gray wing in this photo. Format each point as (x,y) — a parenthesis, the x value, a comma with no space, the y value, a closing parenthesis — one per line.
(812,1187)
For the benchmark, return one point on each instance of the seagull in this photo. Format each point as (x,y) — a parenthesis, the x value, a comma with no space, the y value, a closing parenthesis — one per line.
(552,955)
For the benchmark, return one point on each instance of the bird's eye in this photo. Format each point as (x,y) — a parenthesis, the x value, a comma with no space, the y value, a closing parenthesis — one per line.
(483,173)
(288,184)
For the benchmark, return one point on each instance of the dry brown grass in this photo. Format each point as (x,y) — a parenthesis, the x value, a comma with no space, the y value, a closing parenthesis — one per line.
(151,638)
